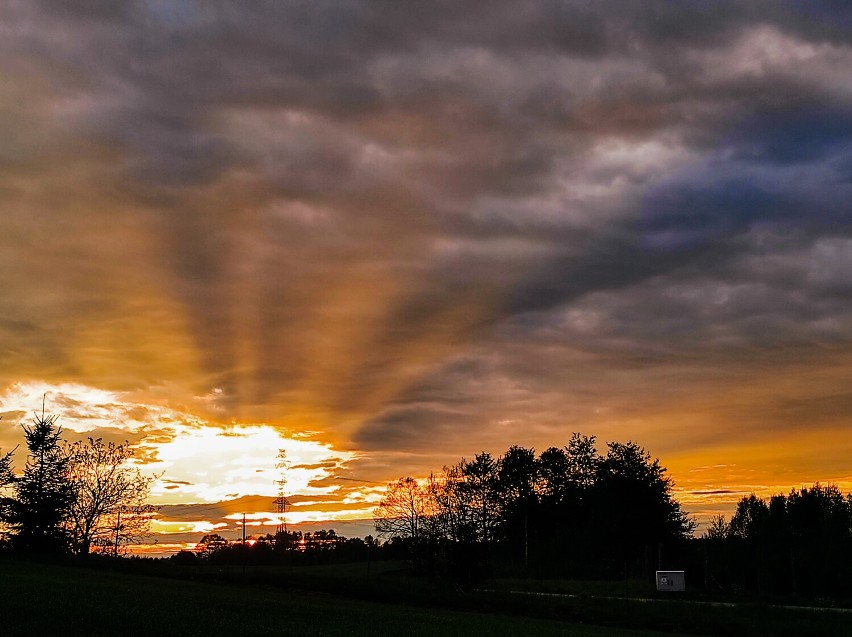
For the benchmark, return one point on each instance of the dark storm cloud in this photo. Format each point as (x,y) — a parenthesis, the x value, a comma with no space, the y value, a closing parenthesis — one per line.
(412,426)
(801,135)
(410,223)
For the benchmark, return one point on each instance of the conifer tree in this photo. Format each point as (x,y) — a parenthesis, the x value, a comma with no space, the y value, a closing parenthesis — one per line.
(43,494)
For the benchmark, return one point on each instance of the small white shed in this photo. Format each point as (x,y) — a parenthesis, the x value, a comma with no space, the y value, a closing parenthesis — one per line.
(671,581)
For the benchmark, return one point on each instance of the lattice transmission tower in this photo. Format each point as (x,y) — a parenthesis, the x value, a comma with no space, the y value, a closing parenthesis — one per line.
(281,502)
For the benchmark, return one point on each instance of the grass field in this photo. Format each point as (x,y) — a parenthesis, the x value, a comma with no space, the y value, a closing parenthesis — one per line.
(574,602)
(40,599)
(43,599)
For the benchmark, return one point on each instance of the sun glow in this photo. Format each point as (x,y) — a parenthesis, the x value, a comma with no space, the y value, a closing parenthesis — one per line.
(203,526)
(208,463)
(208,474)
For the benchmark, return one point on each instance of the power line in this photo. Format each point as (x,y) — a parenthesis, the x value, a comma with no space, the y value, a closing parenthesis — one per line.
(358,480)
(217,507)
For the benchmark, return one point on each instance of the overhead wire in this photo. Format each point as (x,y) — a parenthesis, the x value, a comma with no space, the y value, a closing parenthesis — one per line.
(221,506)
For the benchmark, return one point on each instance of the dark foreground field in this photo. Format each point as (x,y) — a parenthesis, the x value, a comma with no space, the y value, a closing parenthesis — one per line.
(39,599)
(49,599)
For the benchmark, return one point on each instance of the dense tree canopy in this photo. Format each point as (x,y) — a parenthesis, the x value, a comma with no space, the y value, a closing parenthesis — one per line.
(568,509)
(634,497)
(799,543)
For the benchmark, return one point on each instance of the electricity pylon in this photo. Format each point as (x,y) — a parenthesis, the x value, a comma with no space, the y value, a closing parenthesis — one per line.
(281,501)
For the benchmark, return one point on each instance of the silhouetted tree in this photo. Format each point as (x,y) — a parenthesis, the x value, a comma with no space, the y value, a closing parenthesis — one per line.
(7,479)
(108,508)
(407,511)
(403,510)
(211,542)
(286,540)
(184,558)
(583,462)
(568,537)
(749,520)
(634,501)
(517,480)
(44,493)
(467,516)
(819,539)
(468,500)
(480,491)
(553,470)
(6,475)
(719,529)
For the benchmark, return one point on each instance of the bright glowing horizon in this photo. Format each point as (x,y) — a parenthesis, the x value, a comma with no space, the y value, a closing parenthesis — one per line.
(229,467)
(211,475)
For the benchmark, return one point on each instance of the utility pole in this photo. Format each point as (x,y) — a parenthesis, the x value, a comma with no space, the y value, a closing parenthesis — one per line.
(243,551)
(369,542)
(117,527)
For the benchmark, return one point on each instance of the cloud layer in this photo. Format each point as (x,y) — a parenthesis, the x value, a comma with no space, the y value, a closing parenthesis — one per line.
(427,231)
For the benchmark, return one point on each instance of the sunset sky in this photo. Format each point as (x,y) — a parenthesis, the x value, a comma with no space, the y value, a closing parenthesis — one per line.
(384,235)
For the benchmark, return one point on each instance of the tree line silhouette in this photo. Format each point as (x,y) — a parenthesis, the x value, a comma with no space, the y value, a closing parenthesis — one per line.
(291,548)
(572,513)
(71,497)
(568,512)
(797,544)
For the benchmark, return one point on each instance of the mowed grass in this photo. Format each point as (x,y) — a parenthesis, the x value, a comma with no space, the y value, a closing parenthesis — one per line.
(577,603)
(41,599)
